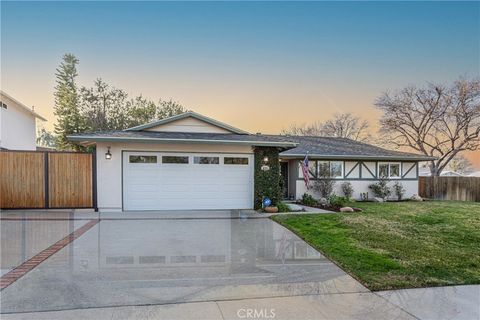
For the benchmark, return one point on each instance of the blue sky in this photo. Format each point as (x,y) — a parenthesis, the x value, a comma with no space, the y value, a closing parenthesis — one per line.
(242,62)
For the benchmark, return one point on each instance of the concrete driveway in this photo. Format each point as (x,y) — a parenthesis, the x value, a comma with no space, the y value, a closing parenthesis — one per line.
(162,266)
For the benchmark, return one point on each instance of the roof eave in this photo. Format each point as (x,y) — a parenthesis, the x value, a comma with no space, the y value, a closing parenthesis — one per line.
(358,157)
(89,139)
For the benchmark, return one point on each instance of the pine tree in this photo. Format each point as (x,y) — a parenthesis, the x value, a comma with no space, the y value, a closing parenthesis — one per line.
(69,120)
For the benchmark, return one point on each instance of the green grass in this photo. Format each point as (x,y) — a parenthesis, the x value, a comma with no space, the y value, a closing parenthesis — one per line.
(399,244)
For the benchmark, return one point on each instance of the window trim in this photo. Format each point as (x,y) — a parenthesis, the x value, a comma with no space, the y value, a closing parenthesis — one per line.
(389,176)
(218,163)
(342,166)
(236,164)
(171,156)
(142,155)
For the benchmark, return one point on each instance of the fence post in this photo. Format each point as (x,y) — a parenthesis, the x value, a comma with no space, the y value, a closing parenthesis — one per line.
(47,191)
(94,179)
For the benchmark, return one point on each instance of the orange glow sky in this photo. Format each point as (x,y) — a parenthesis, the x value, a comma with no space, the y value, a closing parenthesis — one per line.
(257,66)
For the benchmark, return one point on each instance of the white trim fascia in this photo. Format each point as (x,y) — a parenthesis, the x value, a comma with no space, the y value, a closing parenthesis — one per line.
(87,139)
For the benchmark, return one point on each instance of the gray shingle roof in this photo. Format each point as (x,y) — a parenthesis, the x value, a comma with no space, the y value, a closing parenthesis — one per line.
(342,148)
(297,146)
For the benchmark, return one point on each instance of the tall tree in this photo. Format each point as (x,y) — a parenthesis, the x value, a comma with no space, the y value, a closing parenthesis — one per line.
(66,109)
(169,108)
(104,107)
(45,138)
(344,125)
(436,120)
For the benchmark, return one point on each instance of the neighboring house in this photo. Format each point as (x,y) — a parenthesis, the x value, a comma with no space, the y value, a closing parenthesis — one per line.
(190,161)
(17,124)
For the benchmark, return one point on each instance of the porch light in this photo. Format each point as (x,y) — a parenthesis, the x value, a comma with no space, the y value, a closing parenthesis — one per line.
(108,155)
(265,160)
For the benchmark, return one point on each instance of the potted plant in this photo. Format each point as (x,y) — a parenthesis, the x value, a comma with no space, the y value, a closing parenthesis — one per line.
(271,209)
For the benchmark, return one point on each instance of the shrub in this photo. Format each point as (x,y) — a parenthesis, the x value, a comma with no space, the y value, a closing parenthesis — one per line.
(347,190)
(282,207)
(399,190)
(381,189)
(324,183)
(308,200)
(337,201)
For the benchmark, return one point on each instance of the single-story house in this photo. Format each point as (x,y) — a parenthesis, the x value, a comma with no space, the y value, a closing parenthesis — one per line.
(189,161)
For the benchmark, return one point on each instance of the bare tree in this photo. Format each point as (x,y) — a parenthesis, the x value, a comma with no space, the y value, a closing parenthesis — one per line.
(460,164)
(344,125)
(438,121)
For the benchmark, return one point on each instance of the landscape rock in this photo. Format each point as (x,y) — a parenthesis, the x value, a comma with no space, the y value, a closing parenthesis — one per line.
(377,199)
(346,209)
(294,207)
(323,201)
(416,197)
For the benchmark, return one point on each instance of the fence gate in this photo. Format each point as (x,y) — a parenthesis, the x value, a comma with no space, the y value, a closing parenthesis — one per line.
(34,180)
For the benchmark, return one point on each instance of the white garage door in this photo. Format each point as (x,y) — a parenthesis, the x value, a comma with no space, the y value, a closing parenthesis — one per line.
(186,181)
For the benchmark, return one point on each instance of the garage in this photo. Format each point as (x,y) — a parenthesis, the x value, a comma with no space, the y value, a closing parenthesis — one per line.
(186,181)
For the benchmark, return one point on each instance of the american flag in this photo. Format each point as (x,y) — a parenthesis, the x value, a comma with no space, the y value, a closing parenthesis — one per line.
(306,175)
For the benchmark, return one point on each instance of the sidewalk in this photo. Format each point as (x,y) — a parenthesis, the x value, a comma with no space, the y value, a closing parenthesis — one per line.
(459,302)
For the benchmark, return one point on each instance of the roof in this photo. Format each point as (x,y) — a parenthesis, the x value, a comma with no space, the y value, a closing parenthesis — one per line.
(22,106)
(186,115)
(298,146)
(182,137)
(343,148)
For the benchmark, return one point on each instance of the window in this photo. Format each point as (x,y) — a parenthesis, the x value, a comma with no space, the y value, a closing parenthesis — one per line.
(174,159)
(312,167)
(389,170)
(332,168)
(142,159)
(206,160)
(3,105)
(230,160)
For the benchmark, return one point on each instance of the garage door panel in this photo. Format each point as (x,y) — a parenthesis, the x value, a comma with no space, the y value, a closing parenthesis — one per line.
(158,186)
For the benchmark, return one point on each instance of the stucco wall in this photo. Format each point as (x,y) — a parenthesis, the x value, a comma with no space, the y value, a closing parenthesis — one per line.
(359,186)
(360,174)
(109,172)
(17,127)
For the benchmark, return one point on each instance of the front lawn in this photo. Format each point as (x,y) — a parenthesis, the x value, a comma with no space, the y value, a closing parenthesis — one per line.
(399,244)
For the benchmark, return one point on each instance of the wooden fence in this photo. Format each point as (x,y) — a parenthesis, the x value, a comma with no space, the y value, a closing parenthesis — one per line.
(450,188)
(30,179)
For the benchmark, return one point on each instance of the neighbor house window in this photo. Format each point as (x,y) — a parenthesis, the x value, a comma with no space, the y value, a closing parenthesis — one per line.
(206,160)
(174,159)
(335,168)
(389,170)
(231,160)
(142,159)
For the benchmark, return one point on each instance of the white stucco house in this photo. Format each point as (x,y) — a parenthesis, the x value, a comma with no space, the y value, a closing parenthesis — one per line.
(17,124)
(190,161)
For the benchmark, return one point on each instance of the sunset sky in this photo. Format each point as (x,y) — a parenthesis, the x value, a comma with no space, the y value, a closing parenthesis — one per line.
(259,66)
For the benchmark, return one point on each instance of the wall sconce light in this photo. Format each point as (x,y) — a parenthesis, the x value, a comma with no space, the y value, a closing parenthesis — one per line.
(265,166)
(108,155)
